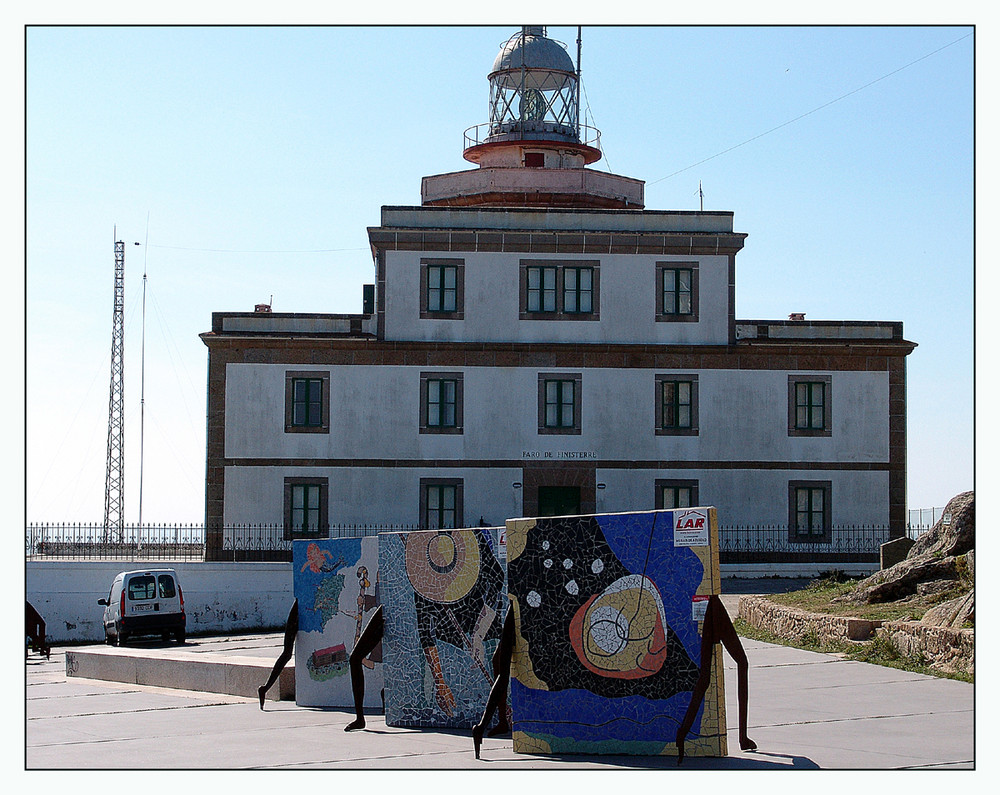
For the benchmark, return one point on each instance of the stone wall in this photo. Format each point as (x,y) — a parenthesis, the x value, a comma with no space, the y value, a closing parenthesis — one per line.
(951,650)
(795,624)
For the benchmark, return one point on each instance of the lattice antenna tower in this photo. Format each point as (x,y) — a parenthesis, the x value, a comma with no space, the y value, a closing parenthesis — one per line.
(114,484)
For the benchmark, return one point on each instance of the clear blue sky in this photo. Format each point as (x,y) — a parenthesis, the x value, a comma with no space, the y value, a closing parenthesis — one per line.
(255,158)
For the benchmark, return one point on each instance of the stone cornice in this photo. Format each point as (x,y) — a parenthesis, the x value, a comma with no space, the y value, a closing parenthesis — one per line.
(754,354)
(555,241)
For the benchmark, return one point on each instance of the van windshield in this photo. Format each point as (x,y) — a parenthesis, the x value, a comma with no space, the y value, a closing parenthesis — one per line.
(143,587)
(167,590)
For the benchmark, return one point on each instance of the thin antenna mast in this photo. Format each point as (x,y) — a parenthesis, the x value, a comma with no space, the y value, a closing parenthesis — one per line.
(579,49)
(522,104)
(701,197)
(142,367)
(114,489)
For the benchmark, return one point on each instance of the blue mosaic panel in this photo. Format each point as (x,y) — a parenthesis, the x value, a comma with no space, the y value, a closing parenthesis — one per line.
(444,603)
(336,581)
(608,643)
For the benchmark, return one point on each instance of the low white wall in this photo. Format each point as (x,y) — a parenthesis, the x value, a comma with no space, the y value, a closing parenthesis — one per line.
(218,597)
(227,597)
(752,571)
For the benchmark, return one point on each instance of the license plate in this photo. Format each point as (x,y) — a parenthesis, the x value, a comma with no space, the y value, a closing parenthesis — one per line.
(142,608)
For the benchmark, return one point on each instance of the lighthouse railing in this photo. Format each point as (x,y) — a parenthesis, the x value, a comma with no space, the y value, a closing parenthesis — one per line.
(530,131)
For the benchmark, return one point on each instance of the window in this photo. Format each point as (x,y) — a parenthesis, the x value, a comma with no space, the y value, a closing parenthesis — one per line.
(166,586)
(307,402)
(578,290)
(305,511)
(441,403)
(143,587)
(534,159)
(440,503)
(677,291)
(809,405)
(559,401)
(809,509)
(441,398)
(442,289)
(810,402)
(563,290)
(542,289)
(559,404)
(677,405)
(676,494)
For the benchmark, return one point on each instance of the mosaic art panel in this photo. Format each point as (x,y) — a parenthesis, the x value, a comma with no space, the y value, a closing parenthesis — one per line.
(336,582)
(608,613)
(444,603)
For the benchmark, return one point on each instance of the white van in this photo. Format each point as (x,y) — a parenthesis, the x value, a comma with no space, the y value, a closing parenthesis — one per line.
(144,603)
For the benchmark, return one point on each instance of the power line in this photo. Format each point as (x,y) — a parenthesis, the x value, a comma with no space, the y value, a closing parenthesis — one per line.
(259,251)
(814,110)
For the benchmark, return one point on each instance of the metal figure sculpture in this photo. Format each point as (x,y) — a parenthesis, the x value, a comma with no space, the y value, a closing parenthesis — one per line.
(291,629)
(718,628)
(34,631)
(367,641)
(497,699)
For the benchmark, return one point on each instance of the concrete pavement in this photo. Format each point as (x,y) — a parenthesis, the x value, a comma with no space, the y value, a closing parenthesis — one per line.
(807,711)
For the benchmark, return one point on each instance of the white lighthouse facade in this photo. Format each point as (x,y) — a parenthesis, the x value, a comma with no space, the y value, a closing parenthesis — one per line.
(539,343)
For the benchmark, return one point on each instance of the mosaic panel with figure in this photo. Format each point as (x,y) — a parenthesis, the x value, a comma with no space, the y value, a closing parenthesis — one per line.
(336,582)
(444,602)
(608,613)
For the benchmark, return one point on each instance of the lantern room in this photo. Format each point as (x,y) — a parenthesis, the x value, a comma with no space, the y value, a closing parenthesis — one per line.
(533,151)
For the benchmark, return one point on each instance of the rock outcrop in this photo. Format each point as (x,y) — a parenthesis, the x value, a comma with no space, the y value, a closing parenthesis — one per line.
(941,559)
(953,614)
(954,533)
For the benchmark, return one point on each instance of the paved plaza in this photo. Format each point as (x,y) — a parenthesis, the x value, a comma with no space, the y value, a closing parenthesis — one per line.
(807,711)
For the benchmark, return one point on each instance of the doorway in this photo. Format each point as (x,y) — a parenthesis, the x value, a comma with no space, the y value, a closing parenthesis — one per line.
(558,500)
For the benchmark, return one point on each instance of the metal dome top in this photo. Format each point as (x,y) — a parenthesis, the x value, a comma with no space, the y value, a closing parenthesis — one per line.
(537,52)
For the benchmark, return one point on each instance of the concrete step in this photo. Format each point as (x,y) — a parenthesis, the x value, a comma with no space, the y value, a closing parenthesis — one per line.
(230,674)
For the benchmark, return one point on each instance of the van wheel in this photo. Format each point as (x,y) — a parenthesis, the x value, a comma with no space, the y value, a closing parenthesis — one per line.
(180,635)
(120,639)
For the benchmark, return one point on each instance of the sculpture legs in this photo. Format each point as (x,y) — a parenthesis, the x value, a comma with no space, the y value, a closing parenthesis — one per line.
(718,628)
(366,643)
(291,629)
(501,680)
(731,641)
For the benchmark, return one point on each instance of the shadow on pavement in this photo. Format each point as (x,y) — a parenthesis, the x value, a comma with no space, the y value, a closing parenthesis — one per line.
(750,761)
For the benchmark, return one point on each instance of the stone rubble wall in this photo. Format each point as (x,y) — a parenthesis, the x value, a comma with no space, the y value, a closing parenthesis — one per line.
(947,649)
(950,650)
(795,624)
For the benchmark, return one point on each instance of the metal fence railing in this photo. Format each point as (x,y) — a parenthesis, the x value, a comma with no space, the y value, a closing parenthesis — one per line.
(269,542)
(181,542)
(96,542)
(778,544)
(919,520)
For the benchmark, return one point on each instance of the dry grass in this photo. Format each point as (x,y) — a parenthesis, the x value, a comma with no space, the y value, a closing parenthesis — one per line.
(829,595)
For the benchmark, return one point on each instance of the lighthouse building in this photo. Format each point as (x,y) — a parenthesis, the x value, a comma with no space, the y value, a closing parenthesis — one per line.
(536,342)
